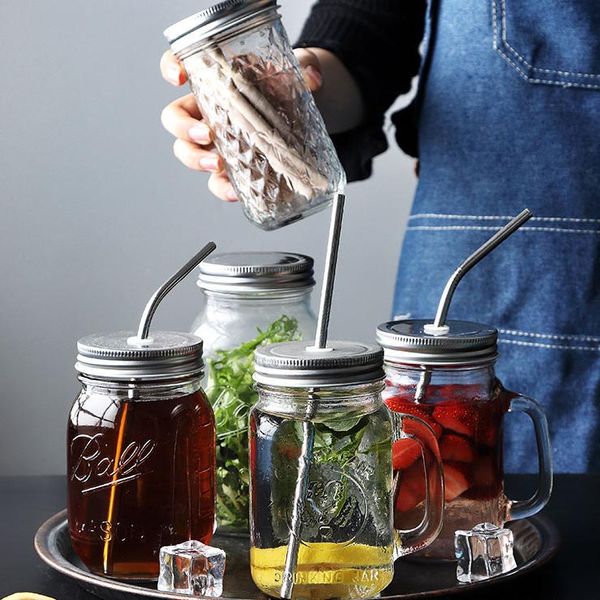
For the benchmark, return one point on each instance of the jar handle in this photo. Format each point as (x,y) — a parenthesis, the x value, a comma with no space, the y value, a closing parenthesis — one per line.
(521,509)
(412,540)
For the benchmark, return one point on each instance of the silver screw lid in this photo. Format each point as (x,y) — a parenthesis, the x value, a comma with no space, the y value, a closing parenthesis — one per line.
(119,356)
(299,365)
(213,21)
(256,272)
(413,341)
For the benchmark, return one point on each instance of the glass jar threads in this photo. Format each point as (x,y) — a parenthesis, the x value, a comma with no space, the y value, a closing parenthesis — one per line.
(249,88)
(449,381)
(320,416)
(140,452)
(251,298)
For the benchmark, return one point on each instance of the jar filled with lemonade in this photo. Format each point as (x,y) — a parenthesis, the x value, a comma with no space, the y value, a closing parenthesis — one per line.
(320,412)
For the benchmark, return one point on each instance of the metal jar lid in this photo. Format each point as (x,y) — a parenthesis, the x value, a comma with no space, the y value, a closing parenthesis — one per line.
(256,272)
(215,20)
(297,365)
(165,355)
(464,342)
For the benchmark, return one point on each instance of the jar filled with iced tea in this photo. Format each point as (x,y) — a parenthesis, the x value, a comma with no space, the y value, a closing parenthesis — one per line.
(140,452)
(449,381)
(321,420)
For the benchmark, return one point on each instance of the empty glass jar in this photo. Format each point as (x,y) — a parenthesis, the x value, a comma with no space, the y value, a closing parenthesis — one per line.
(321,474)
(251,298)
(249,88)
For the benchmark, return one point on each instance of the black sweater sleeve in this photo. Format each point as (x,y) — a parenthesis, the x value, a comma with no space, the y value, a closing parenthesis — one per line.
(378,41)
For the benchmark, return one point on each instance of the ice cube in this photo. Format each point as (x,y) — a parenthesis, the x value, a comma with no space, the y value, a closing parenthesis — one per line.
(192,568)
(483,552)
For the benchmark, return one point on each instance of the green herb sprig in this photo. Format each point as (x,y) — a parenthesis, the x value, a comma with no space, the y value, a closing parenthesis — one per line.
(232,395)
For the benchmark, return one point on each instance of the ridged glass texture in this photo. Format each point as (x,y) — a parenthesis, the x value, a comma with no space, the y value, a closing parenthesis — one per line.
(267,127)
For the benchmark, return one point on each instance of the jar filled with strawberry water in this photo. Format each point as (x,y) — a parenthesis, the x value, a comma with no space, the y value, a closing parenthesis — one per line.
(449,381)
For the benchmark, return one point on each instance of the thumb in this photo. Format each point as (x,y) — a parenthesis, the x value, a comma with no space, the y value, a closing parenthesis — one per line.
(311,68)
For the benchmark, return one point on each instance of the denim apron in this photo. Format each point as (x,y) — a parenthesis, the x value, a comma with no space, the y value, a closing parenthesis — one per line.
(508,115)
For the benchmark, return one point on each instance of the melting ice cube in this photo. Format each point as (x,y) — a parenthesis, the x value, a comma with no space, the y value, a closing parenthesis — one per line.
(483,552)
(192,568)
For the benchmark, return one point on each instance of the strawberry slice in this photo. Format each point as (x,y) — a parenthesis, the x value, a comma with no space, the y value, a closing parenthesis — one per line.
(404,404)
(411,490)
(405,452)
(456,448)
(455,479)
(457,418)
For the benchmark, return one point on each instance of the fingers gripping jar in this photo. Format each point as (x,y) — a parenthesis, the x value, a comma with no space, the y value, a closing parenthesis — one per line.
(347,543)
(249,88)
(251,298)
(140,452)
(449,381)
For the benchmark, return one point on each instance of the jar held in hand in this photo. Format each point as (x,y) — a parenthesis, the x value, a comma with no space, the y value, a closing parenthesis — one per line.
(250,89)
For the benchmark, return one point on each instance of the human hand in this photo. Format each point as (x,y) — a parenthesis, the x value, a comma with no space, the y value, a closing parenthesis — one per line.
(193,145)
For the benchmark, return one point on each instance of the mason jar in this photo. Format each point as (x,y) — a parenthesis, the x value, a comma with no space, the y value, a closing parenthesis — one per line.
(250,298)
(140,452)
(322,489)
(249,87)
(449,381)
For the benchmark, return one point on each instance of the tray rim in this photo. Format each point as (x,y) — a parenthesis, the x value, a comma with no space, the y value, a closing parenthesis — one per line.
(56,561)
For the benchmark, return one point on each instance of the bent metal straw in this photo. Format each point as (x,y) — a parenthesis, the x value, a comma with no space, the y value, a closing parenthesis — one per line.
(139,341)
(438,327)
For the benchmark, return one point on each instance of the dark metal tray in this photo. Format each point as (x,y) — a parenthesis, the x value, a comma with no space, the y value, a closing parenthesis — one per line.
(536,542)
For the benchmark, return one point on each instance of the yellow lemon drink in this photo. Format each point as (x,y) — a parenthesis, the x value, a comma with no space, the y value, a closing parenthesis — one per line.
(325,570)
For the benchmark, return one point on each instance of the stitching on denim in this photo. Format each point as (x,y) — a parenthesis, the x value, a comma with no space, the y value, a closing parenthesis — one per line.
(523,74)
(485,228)
(521,58)
(550,336)
(498,218)
(551,346)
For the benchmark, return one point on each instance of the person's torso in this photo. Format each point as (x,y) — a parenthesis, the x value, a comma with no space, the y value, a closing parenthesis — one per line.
(509,117)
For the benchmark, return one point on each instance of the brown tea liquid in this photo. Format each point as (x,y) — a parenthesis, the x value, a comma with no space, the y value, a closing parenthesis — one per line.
(141,475)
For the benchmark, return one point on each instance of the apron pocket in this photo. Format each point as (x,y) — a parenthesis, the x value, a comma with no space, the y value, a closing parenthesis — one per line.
(552,43)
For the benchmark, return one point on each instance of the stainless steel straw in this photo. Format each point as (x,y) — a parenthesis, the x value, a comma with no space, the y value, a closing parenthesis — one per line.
(166,287)
(438,327)
(308,428)
(141,339)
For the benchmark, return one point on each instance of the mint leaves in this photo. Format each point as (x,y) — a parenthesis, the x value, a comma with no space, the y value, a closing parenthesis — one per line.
(232,395)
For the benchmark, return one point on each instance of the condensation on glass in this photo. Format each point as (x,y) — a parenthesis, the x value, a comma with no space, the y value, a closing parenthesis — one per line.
(249,88)
(140,452)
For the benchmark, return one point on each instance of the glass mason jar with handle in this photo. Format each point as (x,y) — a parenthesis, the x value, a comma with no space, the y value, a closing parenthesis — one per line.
(140,452)
(449,381)
(251,298)
(250,90)
(346,543)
